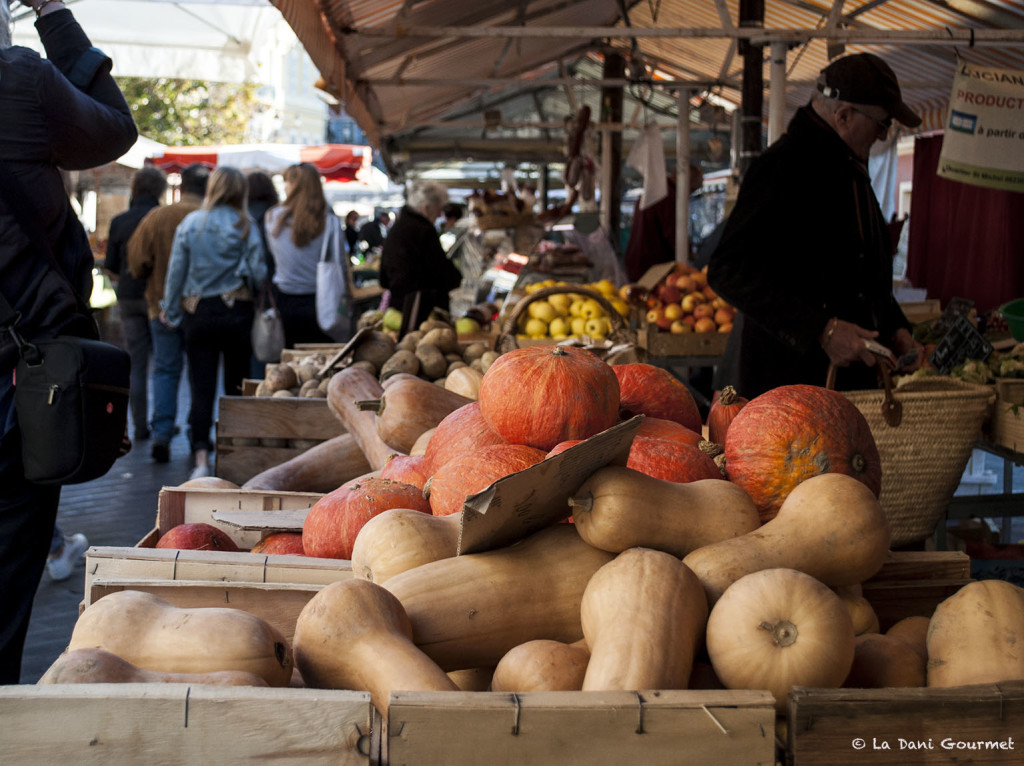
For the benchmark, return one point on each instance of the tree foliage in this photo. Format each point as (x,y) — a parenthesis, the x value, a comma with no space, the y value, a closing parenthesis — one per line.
(190,112)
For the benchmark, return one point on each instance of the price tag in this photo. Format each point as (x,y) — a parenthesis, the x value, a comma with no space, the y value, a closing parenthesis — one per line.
(961,342)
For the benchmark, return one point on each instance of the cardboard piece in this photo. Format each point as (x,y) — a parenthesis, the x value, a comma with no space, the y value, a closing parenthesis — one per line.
(529,500)
(285,520)
(655,275)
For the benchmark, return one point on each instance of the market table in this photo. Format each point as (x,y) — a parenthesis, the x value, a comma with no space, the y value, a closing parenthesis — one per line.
(1004,505)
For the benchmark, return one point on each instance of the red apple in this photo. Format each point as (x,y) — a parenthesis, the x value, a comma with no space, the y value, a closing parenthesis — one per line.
(196,537)
(664,323)
(335,519)
(669,293)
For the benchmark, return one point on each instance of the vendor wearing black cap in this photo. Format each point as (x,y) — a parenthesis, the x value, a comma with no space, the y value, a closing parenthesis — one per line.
(805,255)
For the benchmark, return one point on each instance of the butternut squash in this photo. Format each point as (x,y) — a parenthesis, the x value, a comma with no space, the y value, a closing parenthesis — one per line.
(830,526)
(778,628)
(147,631)
(883,662)
(420,447)
(464,381)
(468,611)
(913,631)
(643,616)
(619,508)
(97,666)
(353,634)
(862,614)
(975,636)
(472,679)
(542,666)
(321,468)
(401,539)
(408,407)
(344,390)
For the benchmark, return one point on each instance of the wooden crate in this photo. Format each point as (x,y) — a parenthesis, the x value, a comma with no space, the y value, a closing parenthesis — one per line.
(257,433)
(896,727)
(921,311)
(694,344)
(1007,424)
(102,724)
(673,728)
(915,582)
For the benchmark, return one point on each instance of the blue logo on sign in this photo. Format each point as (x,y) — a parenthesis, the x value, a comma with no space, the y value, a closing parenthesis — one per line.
(965,123)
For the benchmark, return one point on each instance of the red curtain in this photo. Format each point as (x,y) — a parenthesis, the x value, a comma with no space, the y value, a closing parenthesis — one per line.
(964,241)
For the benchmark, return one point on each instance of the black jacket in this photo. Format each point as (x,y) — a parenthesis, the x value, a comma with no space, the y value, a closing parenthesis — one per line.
(413,260)
(116,260)
(806,241)
(67,112)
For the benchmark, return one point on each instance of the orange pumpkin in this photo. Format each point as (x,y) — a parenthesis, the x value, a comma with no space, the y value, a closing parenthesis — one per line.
(671,460)
(657,393)
(474,472)
(335,519)
(791,433)
(724,410)
(408,469)
(281,543)
(659,428)
(460,433)
(542,395)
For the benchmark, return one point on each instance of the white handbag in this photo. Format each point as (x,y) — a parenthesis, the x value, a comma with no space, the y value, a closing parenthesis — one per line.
(333,295)
(267,329)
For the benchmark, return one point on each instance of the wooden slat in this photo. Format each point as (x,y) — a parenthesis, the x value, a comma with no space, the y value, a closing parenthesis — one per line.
(968,724)
(277,417)
(103,724)
(258,521)
(892,601)
(924,565)
(674,728)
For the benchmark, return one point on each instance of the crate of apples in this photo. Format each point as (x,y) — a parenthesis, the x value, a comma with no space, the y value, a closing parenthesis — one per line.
(685,303)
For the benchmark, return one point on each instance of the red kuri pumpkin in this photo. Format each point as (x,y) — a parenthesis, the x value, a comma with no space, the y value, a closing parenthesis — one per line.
(408,469)
(791,433)
(657,393)
(282,543)
(476,471)
(335,519)
(460,433)
(198,536)
(542,395)
(671,460)
(670,430)
(724,410)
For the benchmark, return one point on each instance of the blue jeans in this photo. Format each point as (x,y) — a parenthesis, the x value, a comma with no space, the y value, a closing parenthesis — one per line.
(27,515)
(168,361)
(138,343)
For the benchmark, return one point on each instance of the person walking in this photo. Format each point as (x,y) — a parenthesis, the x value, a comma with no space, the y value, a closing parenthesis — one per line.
(148,185)
(61,111)
(295,237)
(805,254)
(149,251)
(216,258)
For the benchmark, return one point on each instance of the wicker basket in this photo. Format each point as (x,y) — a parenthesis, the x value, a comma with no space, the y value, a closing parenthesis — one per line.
(620,332)
(924,456)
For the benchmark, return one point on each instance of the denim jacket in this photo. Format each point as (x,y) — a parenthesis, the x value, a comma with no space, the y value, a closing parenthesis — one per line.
(211,257)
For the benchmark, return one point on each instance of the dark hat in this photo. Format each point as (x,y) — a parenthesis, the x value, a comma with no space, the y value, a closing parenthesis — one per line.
(863,78)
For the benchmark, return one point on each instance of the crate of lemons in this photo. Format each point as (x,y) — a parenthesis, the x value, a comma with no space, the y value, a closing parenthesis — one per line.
(570,315)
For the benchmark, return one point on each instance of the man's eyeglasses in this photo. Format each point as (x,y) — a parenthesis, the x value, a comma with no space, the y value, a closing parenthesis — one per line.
(883,124)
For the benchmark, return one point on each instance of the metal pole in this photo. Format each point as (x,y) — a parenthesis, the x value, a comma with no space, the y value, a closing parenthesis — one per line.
(777,92)
(683,177)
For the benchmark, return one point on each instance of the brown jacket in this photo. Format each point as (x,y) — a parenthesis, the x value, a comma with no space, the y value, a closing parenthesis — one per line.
(149,249)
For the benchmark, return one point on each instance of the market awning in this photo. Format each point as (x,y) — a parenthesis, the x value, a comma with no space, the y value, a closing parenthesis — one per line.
(336,162)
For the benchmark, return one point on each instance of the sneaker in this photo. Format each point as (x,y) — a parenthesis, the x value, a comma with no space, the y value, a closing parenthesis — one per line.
(199,472)
(161,452)
(60,565)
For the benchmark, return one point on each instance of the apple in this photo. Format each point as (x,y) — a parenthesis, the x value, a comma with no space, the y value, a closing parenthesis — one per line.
(654,315)
(196,537)
(673,311)
(690,300)
(679,327)
(664,323)
(392,319)
(281,543)
(464,325)
(669,293)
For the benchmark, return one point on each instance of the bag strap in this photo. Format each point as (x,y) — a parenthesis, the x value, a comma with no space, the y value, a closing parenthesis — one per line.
(26,218)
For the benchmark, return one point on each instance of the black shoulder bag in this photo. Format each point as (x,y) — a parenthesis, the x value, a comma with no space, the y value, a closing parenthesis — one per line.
(71,393)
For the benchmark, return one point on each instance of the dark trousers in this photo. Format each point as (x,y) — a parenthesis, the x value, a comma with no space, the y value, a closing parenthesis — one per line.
(298,312)
(215,331)
(27,515)
(139,344)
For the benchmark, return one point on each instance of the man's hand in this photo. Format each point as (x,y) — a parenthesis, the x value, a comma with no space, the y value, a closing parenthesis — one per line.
(845,342)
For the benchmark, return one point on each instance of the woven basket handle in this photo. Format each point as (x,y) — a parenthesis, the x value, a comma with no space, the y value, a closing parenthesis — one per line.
(507,339)
(892,408)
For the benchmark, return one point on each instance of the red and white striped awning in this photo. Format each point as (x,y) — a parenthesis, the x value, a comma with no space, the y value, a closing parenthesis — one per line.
(336,162)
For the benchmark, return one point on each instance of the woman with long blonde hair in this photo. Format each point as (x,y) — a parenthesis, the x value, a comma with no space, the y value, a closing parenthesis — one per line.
(295,238)
(216,259)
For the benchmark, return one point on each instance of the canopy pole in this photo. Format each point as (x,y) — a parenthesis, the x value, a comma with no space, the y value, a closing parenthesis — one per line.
(683,177)
(777,92)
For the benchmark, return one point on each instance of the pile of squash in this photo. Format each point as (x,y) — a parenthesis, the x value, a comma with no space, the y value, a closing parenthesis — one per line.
(746,575)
